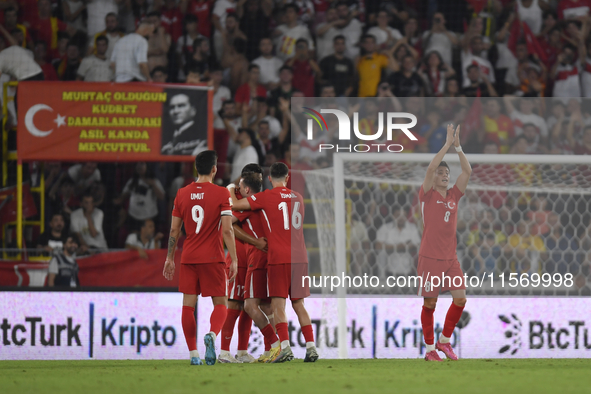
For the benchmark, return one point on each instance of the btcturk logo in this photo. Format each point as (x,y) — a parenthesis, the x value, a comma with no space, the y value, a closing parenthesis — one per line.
(513,333)
(344,133)
(544,335)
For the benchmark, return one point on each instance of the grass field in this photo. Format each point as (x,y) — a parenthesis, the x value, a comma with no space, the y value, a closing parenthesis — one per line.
(326,376)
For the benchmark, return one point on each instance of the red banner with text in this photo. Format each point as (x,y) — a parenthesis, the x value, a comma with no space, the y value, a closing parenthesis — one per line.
(81,121)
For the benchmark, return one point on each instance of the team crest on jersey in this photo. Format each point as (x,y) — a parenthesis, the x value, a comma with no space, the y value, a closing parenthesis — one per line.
(448,204)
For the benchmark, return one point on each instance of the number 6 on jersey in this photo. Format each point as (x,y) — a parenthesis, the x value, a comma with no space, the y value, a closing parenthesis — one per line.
(296,217)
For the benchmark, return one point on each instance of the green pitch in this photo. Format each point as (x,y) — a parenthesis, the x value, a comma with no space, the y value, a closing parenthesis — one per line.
(326,376)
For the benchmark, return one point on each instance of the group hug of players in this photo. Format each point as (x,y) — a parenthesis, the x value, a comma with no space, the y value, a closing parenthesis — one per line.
(267,261)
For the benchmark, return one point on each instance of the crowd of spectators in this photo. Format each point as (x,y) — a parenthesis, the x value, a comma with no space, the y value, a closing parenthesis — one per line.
(528,59)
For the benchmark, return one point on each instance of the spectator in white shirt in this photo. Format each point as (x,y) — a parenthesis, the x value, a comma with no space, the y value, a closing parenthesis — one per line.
(440,39)
(525,115)
(350,29)
(87,224)
(144,239)
(130,56)
(397,243)
(326,32)
(144,192)
(288,33)
(83,176)
(220,12)
(18,62)
(385,35)
(268,64)
(566,74)
(248,152)
(472,49)
(96,67)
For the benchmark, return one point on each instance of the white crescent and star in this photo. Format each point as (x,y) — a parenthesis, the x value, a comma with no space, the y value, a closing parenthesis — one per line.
(30,125)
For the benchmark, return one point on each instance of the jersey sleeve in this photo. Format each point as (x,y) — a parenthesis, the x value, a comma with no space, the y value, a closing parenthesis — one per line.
(176,208)
(242,215)
(257,201)
(226,204)
(457,194)
(424,197)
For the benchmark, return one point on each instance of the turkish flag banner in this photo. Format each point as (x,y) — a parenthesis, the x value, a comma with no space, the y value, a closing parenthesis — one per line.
(80,121)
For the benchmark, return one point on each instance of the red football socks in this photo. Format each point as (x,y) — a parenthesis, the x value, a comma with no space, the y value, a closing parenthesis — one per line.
(282,331)
(218,317)
(189,327)
(269,335)
(244,327)
(308,333)
(228,328)
(451,319)
(427,323)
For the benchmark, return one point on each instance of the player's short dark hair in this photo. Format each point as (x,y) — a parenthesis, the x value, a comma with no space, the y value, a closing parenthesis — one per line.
(443,164)
(252,66)
(230,101)
(101,38)
(471,66)
(111,14)
(278,170)
(62,35)
(339,37)
(264,122)
(252,167)
(10,9)
(253,181)
(153,13)
(205,161)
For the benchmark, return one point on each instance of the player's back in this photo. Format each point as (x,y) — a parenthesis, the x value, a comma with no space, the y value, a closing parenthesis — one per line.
(283,218)
(201,206)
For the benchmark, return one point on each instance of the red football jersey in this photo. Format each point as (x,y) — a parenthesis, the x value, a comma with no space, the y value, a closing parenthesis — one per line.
(440,217)
(201,206)
(253,225)
(240,246)
(283,220)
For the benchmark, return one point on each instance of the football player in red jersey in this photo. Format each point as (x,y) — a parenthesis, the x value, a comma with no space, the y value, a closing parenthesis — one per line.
(205,209)
(287,259)
(437,254)
(236,288)
(256,302)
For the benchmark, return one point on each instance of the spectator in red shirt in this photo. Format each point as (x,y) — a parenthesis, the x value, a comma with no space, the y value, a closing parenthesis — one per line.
(251,89)
(40,53)
(47,27)
(573,9)
(171,19)
(202,11)
(305,70)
